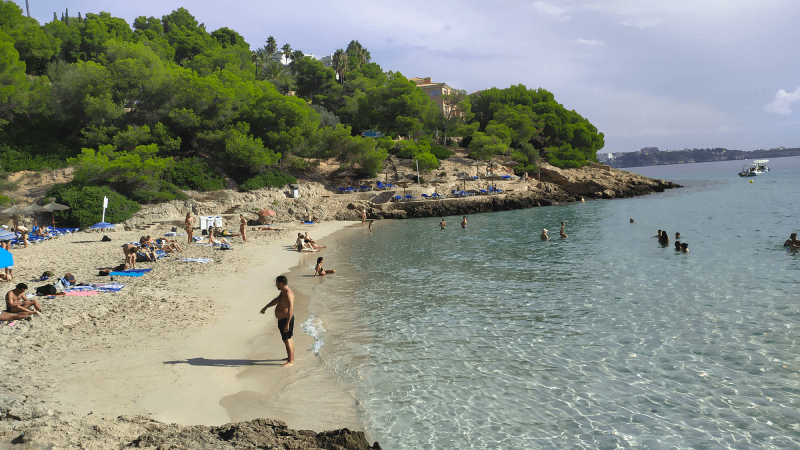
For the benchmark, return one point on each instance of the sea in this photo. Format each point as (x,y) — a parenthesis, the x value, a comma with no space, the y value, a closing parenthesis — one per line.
(490,338)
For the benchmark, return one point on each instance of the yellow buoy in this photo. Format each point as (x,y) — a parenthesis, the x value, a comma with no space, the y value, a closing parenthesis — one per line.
(751,181)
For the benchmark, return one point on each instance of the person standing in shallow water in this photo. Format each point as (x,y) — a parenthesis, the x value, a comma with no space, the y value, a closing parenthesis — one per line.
(442,224)
(544,235)
(284,312)
(464,222)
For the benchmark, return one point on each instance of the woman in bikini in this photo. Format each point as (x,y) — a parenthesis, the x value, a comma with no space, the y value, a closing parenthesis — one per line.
(188,225)
(242,224)
(319,271)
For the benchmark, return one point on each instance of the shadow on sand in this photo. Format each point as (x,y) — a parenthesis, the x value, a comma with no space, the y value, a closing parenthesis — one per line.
(228,362)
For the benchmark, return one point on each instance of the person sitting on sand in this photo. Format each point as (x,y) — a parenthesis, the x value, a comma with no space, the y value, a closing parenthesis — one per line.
(7,316)
(147,248)
(130,250)
(685,247)
(319,271)
(308,239)
(17,302)
(168,246)
(544,235)
(792,242)
(41,233)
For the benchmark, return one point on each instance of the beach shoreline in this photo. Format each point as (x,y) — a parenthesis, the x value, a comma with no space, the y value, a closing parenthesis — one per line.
(182,344)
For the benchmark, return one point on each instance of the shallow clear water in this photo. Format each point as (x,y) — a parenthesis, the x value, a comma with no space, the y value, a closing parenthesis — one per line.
(491,338)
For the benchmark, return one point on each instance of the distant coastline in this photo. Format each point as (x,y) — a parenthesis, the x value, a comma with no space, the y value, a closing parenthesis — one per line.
(652,156)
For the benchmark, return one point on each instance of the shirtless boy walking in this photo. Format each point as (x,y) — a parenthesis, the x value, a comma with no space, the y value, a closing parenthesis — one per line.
(284,312)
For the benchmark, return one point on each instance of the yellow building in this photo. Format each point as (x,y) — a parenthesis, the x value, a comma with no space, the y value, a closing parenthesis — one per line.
(435,92)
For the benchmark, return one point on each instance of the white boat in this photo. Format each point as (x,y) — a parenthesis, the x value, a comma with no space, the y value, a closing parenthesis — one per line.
(758,167)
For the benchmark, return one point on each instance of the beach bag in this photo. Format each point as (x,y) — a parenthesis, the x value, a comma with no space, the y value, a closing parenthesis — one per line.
(106,239)
(47,289)
(60,284)
(224,246)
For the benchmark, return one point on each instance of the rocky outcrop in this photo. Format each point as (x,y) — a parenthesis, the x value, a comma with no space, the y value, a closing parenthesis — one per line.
(69,431)
(599,181)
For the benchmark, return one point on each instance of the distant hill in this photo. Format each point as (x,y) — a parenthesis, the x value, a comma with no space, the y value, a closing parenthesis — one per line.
(652,156)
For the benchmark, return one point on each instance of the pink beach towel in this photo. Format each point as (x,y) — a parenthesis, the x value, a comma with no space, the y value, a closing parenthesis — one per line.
(81,293)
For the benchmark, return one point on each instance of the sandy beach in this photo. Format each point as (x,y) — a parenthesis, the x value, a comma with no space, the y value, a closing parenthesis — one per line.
(182,344)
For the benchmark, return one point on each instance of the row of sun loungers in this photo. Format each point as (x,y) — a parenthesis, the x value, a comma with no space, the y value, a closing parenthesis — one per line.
(33,239)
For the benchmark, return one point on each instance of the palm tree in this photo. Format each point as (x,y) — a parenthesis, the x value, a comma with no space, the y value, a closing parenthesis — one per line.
(258,60)
(271,47)
(358,56)
(275,71)
(287,52)
(339,63)
(297,55)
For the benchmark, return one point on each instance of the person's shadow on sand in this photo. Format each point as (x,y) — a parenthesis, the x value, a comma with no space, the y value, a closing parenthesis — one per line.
(228,362)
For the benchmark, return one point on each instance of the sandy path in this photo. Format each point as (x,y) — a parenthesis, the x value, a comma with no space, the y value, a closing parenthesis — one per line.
(182,344)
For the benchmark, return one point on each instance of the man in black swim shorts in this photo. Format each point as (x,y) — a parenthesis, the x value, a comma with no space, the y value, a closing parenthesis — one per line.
(284,312)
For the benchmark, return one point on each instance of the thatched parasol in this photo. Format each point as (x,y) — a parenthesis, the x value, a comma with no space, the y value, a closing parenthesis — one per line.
(53,207)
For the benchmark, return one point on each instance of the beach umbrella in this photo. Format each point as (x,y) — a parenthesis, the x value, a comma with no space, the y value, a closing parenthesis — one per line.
(266,212)
(403,183)
(6,258)
(7,235)
(53,207)
(346,175)
(465,178)
(477,164)
(492,177)
(14,211)
(386,172)
(103,225)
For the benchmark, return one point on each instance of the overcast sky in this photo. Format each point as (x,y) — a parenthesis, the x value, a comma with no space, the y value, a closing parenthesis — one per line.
(648,73)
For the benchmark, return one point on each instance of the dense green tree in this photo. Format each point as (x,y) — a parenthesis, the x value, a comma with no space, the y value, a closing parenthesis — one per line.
(70,37)
(185,35)
(35,47)
(382,106)
(313,78)
(99,29)
(339,64)
(357,56)
(14,85)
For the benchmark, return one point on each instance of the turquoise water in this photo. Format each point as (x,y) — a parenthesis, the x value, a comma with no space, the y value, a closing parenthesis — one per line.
(491,338)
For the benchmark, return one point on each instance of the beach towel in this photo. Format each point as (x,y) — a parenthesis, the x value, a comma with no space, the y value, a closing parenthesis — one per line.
(137,270)
(80,293)
(126,274)
(200,260)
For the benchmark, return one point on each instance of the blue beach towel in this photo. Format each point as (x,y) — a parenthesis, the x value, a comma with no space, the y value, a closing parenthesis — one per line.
(126,274)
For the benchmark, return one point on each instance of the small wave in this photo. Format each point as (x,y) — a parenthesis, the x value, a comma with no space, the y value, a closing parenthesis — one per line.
(313,327)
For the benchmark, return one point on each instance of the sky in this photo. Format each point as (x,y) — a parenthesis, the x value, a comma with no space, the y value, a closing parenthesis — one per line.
(671,74)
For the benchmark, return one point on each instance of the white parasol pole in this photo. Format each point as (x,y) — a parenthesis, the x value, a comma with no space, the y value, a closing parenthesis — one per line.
(105,205)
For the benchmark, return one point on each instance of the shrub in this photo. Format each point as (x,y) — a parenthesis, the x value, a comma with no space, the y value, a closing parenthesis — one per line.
(86,205)
(157,192)
(15,159)
(5,201)
(270,178)
(195,174)
(295,163)
(441,152)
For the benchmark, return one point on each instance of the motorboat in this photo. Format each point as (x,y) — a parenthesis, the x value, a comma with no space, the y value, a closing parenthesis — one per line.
(758,167)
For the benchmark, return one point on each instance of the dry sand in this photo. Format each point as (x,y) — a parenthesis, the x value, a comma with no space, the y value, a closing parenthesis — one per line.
(182,344)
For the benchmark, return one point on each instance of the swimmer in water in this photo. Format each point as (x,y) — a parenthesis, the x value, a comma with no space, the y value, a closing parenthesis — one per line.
(544,235)
(464,222)
(658,235)
(677,235)
(685,247)
(677,246)
(442,224)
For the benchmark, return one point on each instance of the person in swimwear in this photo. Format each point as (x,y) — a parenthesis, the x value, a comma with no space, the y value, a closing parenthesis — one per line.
(129,250)
(677,246)
(664,239)
(319,271)
(792,242)
(188,225)
(658,235)
(562,233)
(685,247)
(544,235)
(464,222)
(284,312)
(242,224)
(677,235)
(18,303)
(442,224)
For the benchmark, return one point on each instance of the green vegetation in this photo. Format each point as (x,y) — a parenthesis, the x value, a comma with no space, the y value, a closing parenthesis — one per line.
(87,205)
(163,105)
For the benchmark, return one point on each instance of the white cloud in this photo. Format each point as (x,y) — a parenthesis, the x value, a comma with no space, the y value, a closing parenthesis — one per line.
(553,9)
(590,42)
(782,101)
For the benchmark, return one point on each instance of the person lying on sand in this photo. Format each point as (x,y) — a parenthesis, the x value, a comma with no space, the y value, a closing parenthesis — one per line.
(266,229)
(168,246)
(319,271)
(17,302)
